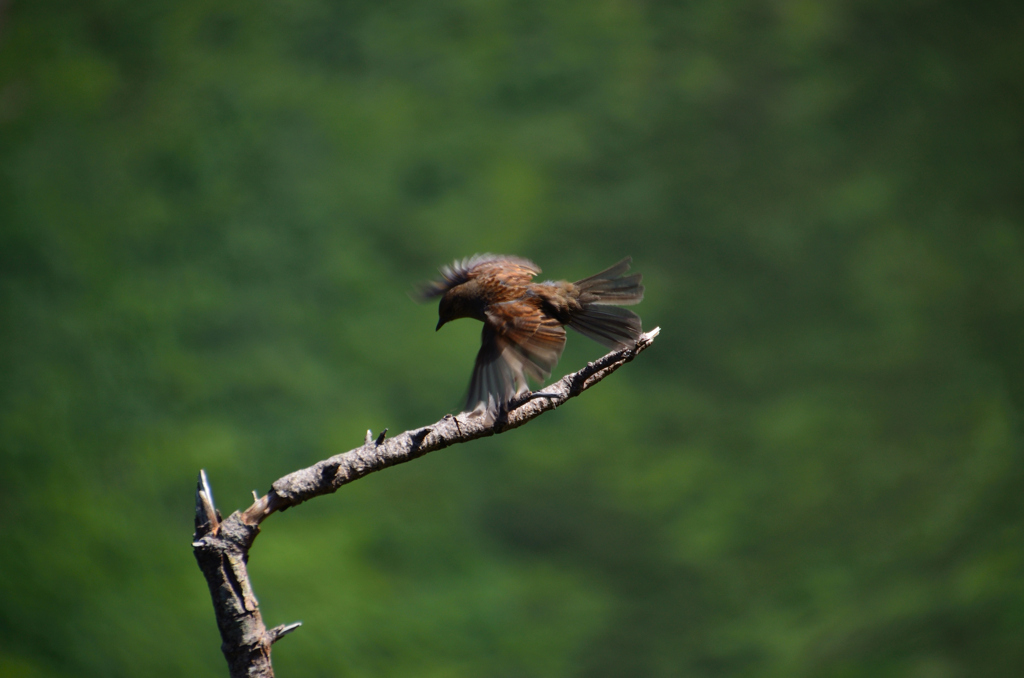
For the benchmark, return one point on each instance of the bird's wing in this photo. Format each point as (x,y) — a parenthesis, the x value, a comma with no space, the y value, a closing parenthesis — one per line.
(508,269)
(494,379)
(534,337)
(518,340)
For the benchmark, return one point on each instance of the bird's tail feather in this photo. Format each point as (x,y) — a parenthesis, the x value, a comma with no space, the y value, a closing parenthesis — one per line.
(611,326)
(611,287)
(599,318)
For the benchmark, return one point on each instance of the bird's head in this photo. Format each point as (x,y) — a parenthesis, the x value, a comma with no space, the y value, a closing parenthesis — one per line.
(461,301)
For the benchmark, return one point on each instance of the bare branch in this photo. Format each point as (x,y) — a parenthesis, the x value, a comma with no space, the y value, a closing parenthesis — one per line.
(279,632)
(222,546)
(207,518)
(328,475)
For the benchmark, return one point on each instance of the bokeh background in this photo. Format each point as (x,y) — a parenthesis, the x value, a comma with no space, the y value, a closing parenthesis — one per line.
(211,215)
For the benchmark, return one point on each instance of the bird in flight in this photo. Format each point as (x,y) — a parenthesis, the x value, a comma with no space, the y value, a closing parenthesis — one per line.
(524,321)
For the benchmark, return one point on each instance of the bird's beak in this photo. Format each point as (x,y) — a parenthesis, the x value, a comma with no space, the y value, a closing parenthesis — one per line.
(439,324)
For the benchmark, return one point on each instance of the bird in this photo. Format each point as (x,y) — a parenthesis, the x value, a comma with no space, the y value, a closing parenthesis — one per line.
(524,321)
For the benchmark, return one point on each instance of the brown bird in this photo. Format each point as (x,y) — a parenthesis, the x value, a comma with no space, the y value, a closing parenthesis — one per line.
(524,321)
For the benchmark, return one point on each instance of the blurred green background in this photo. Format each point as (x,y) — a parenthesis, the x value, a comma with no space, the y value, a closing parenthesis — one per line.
(211,215)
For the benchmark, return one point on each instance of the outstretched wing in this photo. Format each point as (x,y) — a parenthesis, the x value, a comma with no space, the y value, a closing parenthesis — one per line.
(531,336)
(494,379)
(518,341)
(513,271)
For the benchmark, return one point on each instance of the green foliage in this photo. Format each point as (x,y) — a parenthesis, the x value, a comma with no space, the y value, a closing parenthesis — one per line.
(211,214)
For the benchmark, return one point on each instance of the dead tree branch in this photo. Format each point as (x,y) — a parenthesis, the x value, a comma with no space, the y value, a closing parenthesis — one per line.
(221,546)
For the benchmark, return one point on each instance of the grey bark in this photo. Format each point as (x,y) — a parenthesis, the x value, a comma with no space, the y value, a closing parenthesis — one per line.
(221,546)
